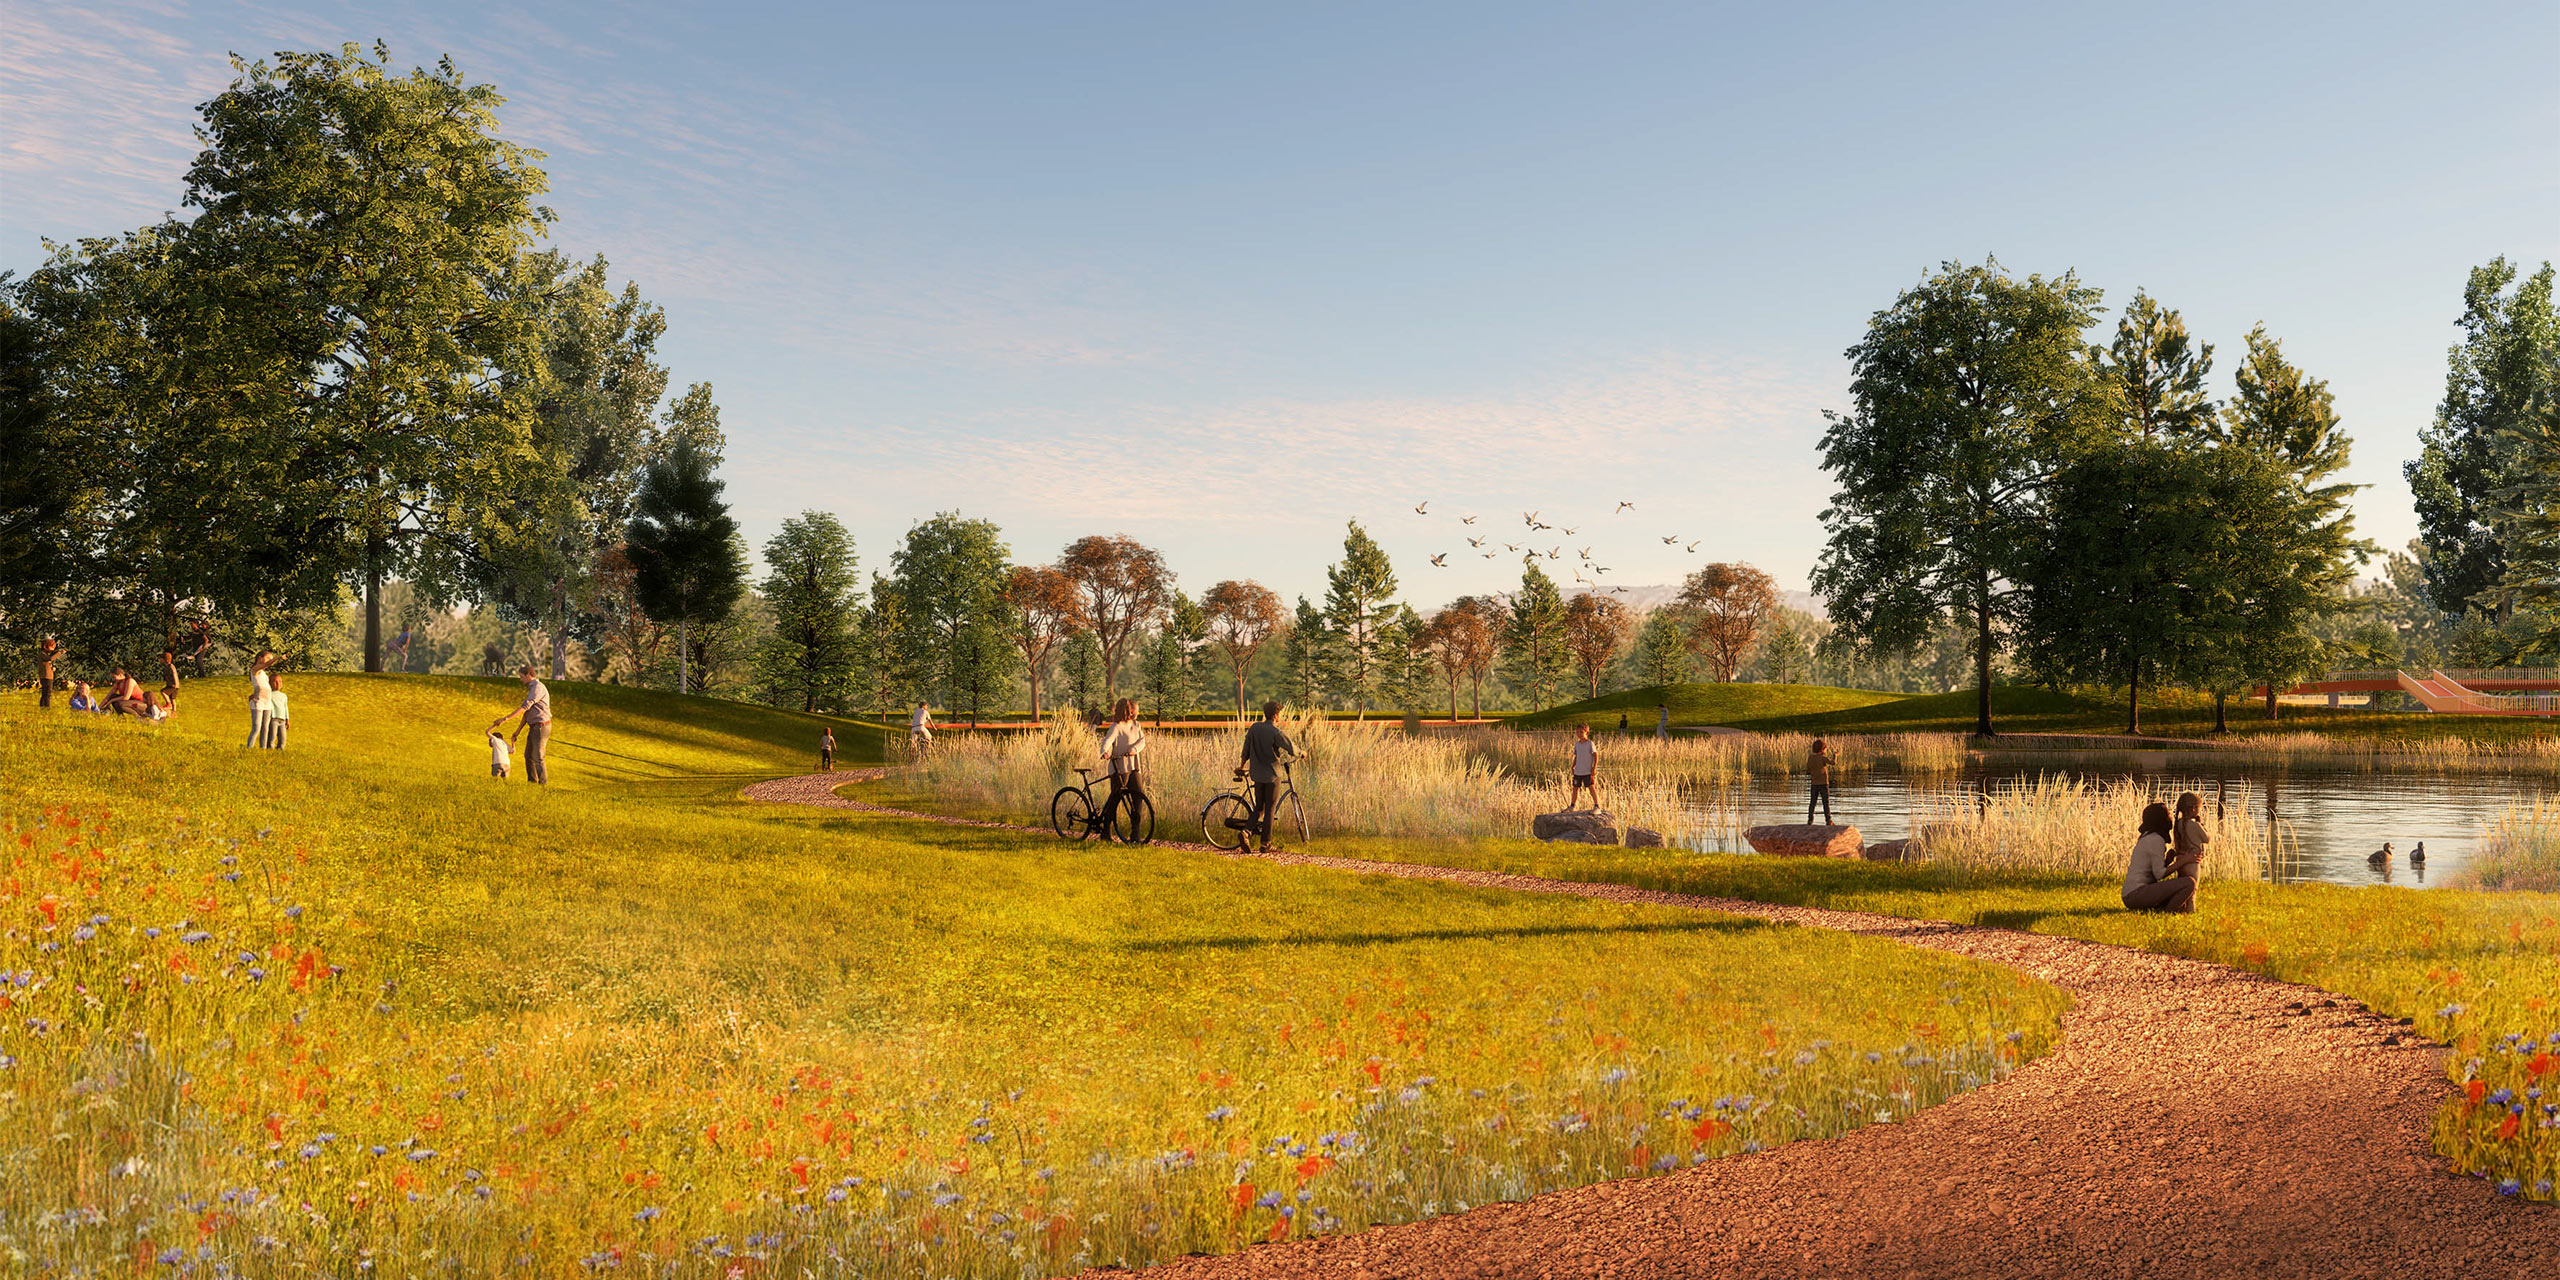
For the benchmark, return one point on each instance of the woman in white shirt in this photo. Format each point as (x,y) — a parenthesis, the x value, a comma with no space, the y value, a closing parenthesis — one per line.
(1121,748)
(261,698)
(2148,885)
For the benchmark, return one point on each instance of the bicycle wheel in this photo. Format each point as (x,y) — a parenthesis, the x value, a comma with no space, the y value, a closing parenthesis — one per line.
(1071,813)
(1136,821)
(1213,821)
(1297,817)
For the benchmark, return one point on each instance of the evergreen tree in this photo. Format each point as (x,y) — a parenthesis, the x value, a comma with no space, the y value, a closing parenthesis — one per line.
(881,648)
(809,658)
(2507,363)
(2302,549)
(1357,608)
(686,566)
(1080,666)
(1533,644)
(1662,648)
(1306,657)
(1971,390)
(2154,373)
(1170,671)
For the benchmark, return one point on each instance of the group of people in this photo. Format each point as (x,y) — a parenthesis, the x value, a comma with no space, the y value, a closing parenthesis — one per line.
(533,725)
(1586,773)
(1266,750)
(121,694)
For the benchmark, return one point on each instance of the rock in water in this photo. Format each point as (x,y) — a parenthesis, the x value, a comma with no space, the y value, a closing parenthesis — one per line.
(1576,826)
(1643,838)
(1801,840)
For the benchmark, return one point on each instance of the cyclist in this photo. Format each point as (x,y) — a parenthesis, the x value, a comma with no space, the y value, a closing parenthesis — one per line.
(1265,746)
(1121,748)
(920,727)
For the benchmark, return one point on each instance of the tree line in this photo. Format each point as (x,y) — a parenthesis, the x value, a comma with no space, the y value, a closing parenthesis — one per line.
(2091,514)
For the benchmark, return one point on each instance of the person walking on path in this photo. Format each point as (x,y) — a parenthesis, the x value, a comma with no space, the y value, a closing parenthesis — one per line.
(920,727)
(1120,751)
(827,750)
(1586,770)
(2148,885)
(1817,768)
(46,651)
(1265,745)
(2186,844)
(535,725)
(262,691)
(279,712)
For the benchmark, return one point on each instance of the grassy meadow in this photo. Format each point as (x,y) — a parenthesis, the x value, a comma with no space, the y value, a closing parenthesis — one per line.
(356,1006)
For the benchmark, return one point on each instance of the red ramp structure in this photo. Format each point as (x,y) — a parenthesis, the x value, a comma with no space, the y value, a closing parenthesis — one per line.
(2482,692)
(2442,693)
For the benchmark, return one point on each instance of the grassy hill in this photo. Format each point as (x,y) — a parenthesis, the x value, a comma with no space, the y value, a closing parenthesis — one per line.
(494,1027)
(1706,704)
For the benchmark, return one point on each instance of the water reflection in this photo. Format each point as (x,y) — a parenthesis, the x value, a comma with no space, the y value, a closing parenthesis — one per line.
(2338,818)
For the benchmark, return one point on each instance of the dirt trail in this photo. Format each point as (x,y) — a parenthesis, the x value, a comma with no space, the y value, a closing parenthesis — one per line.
(2197,1121)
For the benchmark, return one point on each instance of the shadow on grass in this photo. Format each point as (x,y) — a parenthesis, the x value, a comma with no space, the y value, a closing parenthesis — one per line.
(1443,935)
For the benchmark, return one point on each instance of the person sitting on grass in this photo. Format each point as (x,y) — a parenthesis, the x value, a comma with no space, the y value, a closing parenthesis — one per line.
(1586,770)
(2149,884)
(1120,751)
(125,696)
(2187,842)
(82,699)
(1265,746)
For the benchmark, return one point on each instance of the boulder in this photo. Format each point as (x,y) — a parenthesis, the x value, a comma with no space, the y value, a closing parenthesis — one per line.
(1802,840)
(1643,838)
(1576,826)
(1893,851)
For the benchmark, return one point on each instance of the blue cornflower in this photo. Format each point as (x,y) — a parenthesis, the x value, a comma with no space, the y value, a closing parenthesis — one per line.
(1217,1114)
(645,1214)
(422,1153)
(947,1198)
(197,936)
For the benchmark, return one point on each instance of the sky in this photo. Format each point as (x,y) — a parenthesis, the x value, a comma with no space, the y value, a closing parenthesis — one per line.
(1224,277)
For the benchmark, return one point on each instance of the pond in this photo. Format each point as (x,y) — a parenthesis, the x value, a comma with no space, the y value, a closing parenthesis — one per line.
(2336,817)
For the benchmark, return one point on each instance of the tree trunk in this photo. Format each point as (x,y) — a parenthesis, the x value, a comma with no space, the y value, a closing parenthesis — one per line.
(1240,714)
(373,603)
(684,654)
(2220,723)
(1475,708)
(1982,661)
(2133,701)
(1453,695)
(2271,699)
(560,632)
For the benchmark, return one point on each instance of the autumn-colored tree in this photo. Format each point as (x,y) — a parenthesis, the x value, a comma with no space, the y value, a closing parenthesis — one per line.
(1727,604)
(1595,628)
(1480,643)
(1122,584)
(1459,640)
(1242,615)
(1045,607)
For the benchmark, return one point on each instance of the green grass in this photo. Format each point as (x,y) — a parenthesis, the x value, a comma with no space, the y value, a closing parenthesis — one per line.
(2478,971)
(356,1004)
(1705,704)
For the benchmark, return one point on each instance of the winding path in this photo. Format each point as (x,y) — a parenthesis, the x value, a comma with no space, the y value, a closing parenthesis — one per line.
(2196,1121)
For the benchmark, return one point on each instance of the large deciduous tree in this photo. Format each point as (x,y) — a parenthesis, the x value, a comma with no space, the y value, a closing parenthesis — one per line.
(1044,609)
(1123,584)
(1970,390)
(1595,629)
(810,586)
(951,575)
(1359,591)
(682,548)
(1462,639)
(370,229)
(1726,605)
(1242,617)
(2505,367)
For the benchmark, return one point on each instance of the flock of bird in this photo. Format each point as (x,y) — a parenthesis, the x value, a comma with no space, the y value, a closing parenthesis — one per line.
(2382,857)
(1585,569)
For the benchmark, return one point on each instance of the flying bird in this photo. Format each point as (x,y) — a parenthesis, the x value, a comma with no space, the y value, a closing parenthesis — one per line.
(1418,507)
(1586,553)
(1488,555)
(1617,591)
(1624,506)
(1528,517)
(1672,541)
(1693,548)
(1466,519)
(1475,542)
(1442,560)
(1510,546)
(1568,533)
(1599,568)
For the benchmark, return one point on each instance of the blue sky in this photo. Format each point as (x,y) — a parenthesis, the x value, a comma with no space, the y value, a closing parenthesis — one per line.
(1223,277)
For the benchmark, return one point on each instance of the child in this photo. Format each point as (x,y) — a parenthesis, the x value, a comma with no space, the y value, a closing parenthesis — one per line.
(1817,769)
(279,716)
(827,750)
(497,755)
(1586,769)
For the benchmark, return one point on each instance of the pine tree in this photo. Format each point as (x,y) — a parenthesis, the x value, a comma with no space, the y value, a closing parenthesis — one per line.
(1306,656)
(683,549)
(1357,608)
(1533,645)
(809,658)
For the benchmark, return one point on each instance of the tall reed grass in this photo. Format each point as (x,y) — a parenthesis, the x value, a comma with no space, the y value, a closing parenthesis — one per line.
(1713,759)
(2520,850)
(2077,827)
(2539,754)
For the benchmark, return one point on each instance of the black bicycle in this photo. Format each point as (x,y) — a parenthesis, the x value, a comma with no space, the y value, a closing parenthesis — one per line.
(1074,814)
(1228,817)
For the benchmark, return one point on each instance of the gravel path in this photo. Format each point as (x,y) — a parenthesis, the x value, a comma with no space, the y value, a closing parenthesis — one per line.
(2197,1121)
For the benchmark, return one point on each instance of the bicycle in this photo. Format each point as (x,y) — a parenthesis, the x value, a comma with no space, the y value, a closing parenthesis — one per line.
(1228,817)
(1074,815)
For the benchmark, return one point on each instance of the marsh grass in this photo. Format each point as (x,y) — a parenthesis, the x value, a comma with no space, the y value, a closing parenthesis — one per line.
(2074,826)
(355,1007)
(2520,850)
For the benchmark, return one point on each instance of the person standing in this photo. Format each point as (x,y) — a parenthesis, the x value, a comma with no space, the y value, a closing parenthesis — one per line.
(1661,722)
(261,697)
(1817,768)
(1120,751)
(169,691)
(279,712)
(1622,724)
(1265,745)
(535,724)
(2148,883)
(827,750)
(497,754)
(1586,770)
(46,651)
(2186,851)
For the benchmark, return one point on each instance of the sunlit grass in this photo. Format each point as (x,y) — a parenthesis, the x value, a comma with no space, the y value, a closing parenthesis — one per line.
(2478,971)
(356,1003)
(2520,850)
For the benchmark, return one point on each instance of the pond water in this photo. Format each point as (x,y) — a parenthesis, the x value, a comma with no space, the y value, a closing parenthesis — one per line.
(2336,817)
